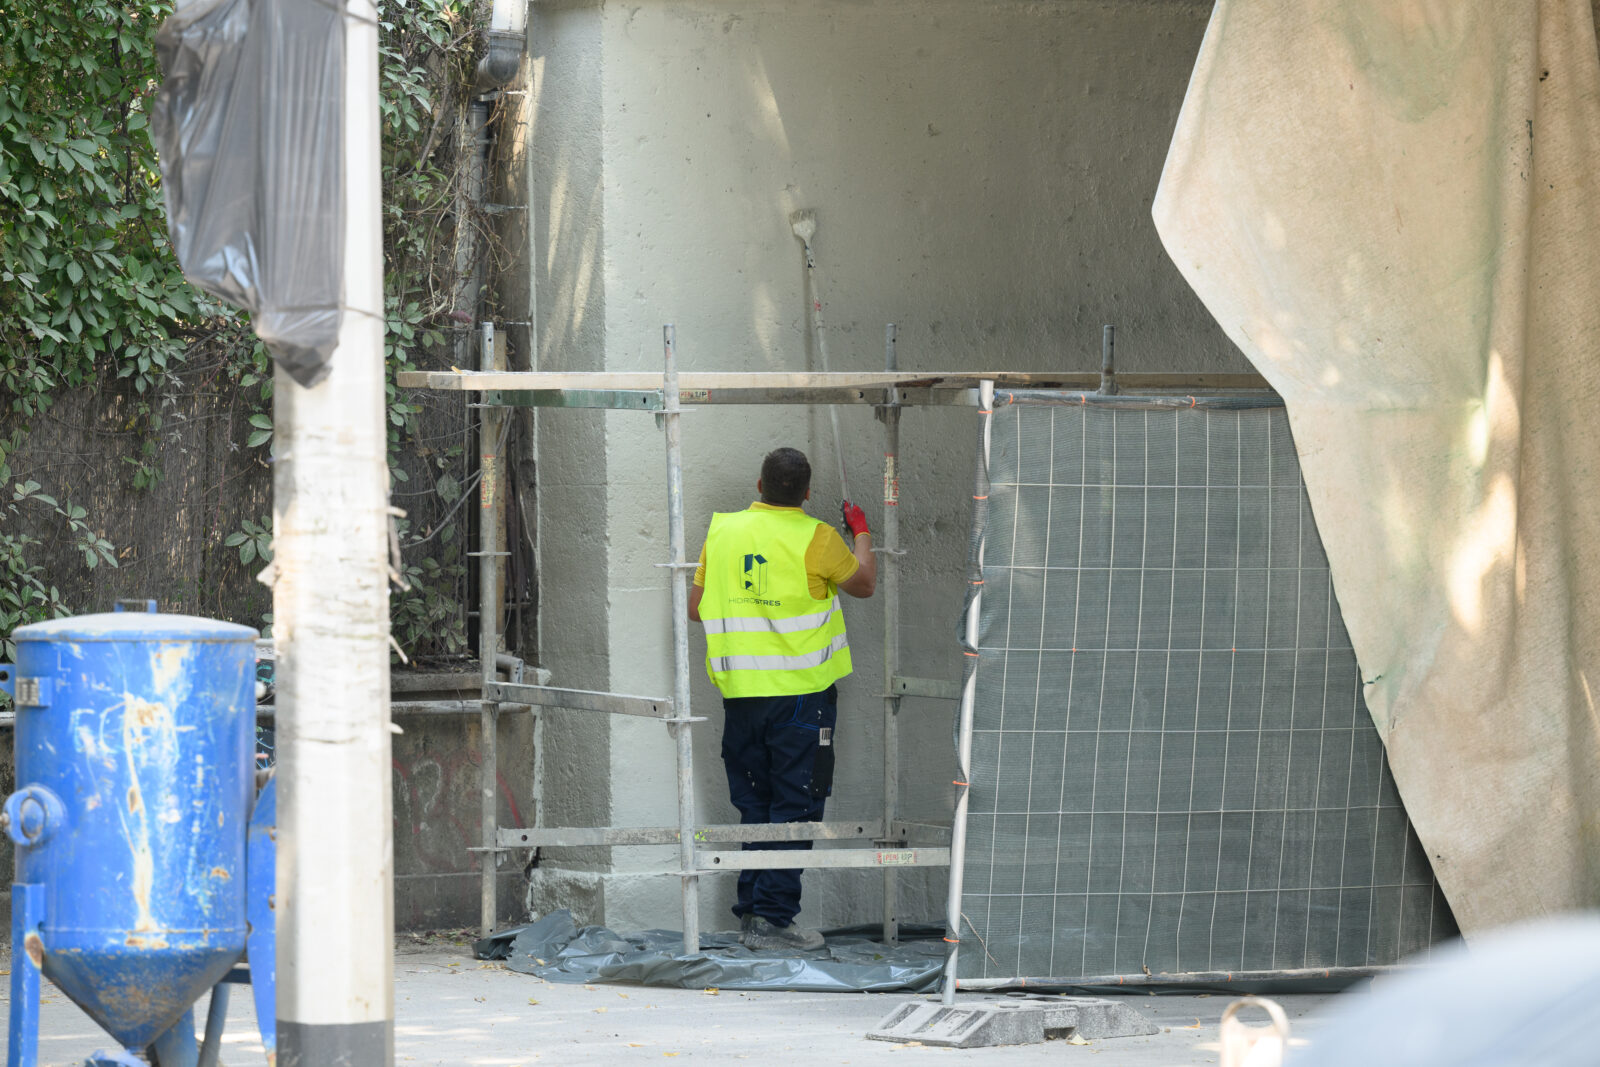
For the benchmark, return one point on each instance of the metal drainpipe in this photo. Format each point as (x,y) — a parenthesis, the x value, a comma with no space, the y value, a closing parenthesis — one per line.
(498,66)
(502,58)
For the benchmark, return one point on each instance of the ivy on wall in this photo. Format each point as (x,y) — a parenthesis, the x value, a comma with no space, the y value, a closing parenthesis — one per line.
(91,295)
(89,281)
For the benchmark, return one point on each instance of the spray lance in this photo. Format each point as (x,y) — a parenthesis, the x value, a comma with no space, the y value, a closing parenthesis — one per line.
(804,223)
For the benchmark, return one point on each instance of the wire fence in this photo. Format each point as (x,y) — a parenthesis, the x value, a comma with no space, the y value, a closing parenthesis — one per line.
(1173,770)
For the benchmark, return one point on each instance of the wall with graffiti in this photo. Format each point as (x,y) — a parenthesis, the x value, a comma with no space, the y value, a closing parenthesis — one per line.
(438,817)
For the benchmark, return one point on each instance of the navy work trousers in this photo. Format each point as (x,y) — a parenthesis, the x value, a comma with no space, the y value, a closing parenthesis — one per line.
(778,752)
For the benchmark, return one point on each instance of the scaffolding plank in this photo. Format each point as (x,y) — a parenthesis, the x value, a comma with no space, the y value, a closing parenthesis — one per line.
(760,859)
(614,399)
(546,696)
(645,400)
(558,837)
(689,382)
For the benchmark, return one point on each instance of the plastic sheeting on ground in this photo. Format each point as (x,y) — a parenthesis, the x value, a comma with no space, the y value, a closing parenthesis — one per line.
(1391,206)
(557,950)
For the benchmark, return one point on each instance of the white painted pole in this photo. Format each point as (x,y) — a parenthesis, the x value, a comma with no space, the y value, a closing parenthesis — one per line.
(335,902)
(969,696)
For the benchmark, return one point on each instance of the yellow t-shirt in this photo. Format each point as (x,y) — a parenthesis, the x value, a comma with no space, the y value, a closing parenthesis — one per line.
(829,560)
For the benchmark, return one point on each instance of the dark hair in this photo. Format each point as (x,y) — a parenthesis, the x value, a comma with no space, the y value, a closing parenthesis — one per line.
(785,477)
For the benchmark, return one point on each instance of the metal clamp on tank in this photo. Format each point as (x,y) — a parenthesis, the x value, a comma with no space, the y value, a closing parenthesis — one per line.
(32,814)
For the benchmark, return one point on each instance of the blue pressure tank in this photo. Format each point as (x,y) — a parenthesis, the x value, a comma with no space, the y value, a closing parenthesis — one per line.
(134,745)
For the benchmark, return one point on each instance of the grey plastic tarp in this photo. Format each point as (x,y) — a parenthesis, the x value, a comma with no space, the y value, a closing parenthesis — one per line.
(556,949)
(1393,208)
(1173,776)
(249,128)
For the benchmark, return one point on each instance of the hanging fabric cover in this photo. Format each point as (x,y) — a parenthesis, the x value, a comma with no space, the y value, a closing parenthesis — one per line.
(1392,208)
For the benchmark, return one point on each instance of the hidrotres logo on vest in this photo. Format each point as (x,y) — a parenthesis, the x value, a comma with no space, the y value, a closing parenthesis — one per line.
(754,582)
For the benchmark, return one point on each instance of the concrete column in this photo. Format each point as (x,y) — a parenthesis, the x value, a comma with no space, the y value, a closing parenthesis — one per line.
(981,172)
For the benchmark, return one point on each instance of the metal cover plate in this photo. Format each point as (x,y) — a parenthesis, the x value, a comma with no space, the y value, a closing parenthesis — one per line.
(133,626)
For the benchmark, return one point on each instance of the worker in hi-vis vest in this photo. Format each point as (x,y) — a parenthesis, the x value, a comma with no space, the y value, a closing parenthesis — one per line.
(767,591)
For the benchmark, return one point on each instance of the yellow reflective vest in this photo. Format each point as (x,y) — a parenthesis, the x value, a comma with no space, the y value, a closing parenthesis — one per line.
(766,635)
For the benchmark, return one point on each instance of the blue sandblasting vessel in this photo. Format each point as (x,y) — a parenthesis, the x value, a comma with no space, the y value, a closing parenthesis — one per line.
(134,741)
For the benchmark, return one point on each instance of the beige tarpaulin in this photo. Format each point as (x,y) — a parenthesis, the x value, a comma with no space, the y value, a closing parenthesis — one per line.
(1393,208)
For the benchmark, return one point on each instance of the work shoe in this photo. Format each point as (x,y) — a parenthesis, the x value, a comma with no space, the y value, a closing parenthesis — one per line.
(759,933)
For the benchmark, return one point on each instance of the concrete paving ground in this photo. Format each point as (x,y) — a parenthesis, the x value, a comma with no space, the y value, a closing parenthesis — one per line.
(450,1009)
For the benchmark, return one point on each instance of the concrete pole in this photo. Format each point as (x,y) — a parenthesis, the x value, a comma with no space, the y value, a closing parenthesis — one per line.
(335,899)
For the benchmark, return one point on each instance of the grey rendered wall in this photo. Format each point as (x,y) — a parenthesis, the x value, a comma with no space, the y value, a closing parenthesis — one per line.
(563,131)
(982,174)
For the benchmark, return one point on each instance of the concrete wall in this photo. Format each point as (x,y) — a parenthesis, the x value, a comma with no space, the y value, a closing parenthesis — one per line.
(982,172)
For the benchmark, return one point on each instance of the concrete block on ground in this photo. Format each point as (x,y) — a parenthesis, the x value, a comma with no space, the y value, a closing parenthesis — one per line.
(1024,1020)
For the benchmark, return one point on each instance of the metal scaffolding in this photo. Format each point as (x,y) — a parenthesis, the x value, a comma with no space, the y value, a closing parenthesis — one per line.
(889,840)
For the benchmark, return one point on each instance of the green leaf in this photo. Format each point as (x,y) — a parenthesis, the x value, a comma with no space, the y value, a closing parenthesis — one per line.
(261,422)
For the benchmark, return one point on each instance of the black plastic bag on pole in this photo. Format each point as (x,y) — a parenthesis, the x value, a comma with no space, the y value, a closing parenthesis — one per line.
(248,126)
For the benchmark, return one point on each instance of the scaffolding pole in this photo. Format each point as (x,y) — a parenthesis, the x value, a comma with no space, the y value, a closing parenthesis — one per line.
(681,722)
(491,518)
(889,571)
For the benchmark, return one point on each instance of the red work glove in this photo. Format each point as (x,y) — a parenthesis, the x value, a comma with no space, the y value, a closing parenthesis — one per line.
(855,520)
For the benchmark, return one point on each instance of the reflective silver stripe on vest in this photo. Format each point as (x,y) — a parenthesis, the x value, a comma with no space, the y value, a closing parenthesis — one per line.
(780,663)
(758,624)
